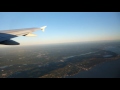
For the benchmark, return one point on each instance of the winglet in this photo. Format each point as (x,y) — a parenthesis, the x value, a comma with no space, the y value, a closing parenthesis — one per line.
(43,28)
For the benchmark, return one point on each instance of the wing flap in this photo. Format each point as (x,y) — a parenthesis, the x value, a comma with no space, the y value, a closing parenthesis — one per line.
(30,34)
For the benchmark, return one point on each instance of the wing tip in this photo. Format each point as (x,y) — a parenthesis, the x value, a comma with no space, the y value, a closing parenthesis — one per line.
(43,28)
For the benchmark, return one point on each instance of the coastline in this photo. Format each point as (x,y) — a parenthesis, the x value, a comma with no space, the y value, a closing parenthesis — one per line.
(109,69)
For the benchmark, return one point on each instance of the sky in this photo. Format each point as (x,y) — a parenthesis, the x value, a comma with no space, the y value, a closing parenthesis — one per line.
(63,27)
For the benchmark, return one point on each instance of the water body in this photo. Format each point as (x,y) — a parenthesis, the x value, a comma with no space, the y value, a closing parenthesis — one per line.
(80,55)
(109,69)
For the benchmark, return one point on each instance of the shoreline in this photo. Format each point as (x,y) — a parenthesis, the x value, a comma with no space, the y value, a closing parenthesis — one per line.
(109,69)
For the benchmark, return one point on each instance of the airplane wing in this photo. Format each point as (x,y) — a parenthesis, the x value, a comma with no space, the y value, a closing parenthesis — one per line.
(6,35)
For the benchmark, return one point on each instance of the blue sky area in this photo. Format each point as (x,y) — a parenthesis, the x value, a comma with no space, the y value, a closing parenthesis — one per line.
(63,27)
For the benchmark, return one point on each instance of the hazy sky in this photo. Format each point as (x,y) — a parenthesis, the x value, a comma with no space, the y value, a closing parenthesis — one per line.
(63,26)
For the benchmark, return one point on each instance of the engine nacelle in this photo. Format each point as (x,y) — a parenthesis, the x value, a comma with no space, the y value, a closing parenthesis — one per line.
(9,42)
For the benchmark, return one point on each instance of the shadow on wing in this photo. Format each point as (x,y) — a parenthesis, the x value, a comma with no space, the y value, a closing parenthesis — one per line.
(5,39)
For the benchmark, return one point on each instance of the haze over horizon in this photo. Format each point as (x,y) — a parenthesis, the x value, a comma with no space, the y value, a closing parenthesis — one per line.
(63,27)
(74,44)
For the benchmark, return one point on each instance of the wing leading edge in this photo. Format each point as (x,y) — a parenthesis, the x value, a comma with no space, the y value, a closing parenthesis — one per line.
(6,35)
